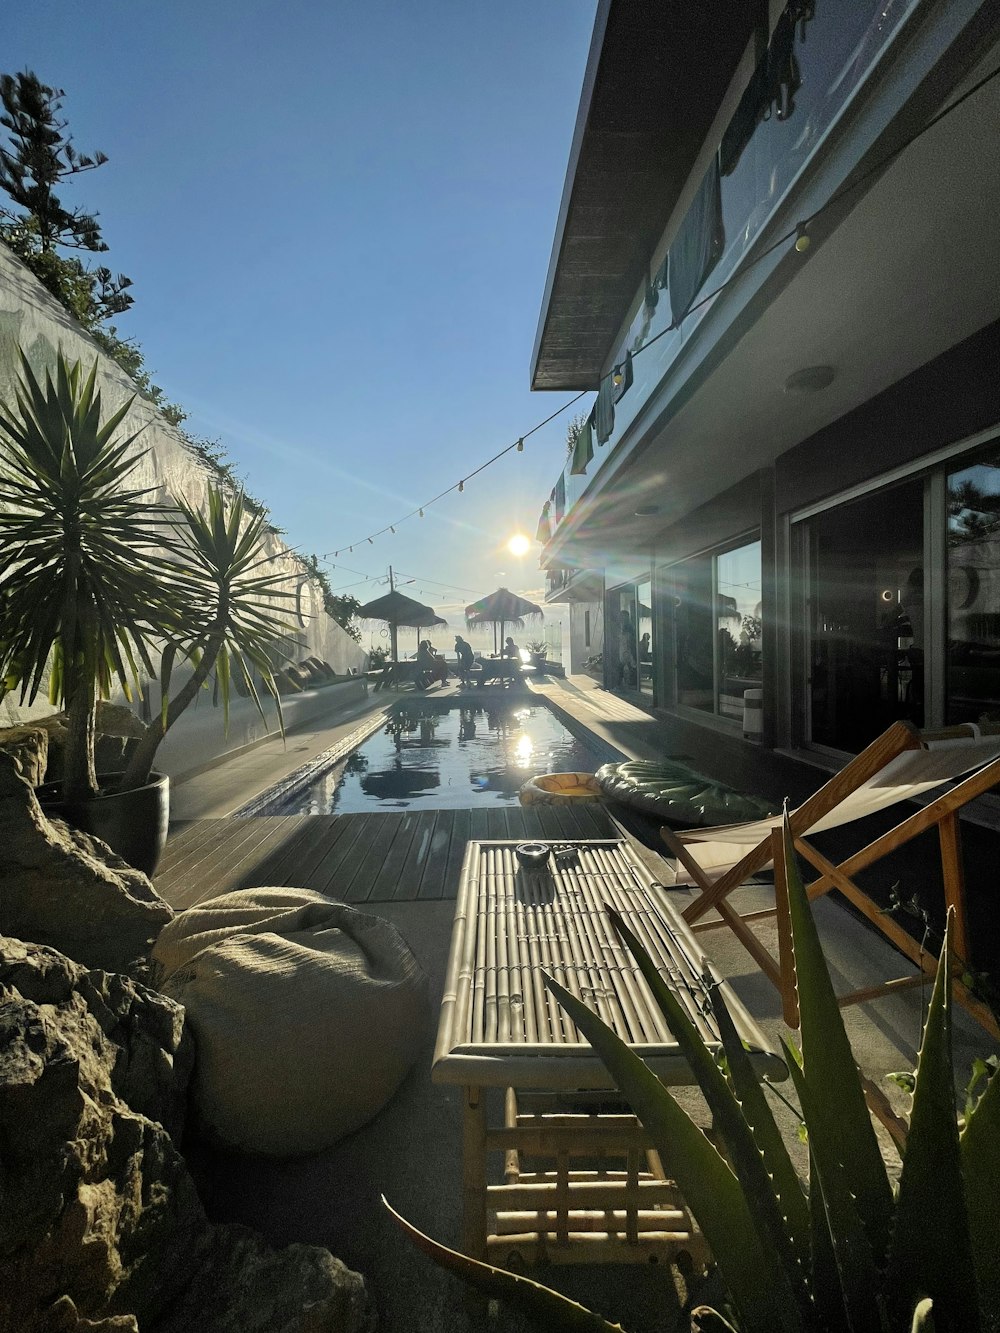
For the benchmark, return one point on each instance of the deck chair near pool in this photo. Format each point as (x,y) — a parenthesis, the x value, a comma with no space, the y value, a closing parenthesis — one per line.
(901,764)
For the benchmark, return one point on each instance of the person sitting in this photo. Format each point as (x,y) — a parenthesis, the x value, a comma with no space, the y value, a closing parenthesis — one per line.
(439,667)
(465,655)
(426,669)
(511,650)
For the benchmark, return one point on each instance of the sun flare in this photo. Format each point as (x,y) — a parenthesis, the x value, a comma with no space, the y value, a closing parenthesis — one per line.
(519,544)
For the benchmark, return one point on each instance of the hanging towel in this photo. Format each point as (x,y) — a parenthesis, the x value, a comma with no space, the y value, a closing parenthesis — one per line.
(697,245)
(625,370)
(543,533)
(662,274)
(559,497)
(583,448)
(604,411)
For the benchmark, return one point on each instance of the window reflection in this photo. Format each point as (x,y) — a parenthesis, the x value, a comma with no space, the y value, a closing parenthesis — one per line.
(973,592)
(717,630)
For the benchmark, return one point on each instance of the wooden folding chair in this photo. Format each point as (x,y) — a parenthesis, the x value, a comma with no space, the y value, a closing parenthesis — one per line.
(901,764)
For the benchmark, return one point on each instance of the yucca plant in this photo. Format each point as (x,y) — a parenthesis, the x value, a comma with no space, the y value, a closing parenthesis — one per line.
(844,1252)
(98,577)
(228,622)
(84,580)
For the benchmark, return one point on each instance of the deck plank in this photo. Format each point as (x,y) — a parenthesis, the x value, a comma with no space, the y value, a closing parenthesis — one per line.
(380,856)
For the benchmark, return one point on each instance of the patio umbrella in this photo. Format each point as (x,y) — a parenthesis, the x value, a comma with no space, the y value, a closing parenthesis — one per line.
(499,609)
(396,609)
(429,621)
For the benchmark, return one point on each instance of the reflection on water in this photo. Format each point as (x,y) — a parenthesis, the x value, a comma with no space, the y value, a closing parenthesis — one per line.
(432,759)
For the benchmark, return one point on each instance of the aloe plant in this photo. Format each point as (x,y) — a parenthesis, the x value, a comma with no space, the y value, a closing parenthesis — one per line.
(845,1253)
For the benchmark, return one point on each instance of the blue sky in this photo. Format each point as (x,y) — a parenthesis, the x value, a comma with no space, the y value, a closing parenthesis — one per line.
(338,220)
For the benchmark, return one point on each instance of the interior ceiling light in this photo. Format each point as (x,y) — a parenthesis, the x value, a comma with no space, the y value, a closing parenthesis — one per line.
(810,379)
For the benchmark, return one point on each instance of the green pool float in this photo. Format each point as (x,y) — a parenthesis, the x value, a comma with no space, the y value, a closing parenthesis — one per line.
(677,794)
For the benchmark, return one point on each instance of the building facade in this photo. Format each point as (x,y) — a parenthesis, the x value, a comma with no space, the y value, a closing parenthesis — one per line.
(776,261)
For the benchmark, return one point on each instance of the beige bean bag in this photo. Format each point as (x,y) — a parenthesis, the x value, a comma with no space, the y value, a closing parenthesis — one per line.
(307,1015)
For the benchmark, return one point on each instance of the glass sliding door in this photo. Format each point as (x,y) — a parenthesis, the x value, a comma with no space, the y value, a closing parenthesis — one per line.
(972,667)
(717,630)
(866,617)
(623,640)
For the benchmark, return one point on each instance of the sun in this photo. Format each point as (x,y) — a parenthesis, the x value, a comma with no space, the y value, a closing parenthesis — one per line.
(519,544)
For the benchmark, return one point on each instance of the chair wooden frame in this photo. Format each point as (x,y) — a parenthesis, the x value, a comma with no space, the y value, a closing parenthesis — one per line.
(942,813)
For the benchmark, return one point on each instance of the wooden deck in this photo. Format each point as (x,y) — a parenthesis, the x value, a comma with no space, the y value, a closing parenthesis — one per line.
(378,857)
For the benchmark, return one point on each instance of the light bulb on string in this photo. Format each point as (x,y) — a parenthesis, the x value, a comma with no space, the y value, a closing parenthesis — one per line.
(802,239)
(617,377)
(392,529)
(371,542)
(520,446)
(461,487)
(420,513)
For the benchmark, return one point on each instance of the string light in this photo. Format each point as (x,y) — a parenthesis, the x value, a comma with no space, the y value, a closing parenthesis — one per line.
(801,243)
(461,487)
(392,529)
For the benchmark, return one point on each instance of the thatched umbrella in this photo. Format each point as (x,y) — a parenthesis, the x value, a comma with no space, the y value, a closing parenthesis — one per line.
(499,609)
(396,609)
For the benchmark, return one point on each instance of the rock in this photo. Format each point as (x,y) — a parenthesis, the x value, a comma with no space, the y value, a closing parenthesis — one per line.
(116,731)
(101,1226)
(29,747)
(63,888)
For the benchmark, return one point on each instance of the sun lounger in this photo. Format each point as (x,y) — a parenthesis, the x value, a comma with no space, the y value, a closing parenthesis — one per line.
(900,765)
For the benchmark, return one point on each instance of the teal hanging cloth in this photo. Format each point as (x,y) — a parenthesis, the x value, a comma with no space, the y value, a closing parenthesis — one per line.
(583,448)
(697,245)
(543,532)
(604,411)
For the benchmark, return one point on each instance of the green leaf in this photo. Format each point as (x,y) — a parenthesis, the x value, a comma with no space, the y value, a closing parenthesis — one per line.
(840,1126)
(931,1253)
(747,1263)
(980,1154)
(743,1119)
(552,1310)
(838,1224)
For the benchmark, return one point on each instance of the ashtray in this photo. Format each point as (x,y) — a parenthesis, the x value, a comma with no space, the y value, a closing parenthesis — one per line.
(532,854)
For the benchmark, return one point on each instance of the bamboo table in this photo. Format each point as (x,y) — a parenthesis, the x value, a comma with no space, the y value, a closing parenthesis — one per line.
(500,1028)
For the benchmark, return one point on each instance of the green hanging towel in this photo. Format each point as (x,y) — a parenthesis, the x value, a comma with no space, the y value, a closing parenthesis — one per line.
(583,448)
(604,411)
(543,532)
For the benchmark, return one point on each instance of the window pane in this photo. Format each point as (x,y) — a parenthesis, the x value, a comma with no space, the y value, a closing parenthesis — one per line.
(973,654)
(717,630)
(737,601)
(645,639)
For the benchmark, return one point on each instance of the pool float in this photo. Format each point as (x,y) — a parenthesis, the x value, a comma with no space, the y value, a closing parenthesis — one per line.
(560,789)
(677,794)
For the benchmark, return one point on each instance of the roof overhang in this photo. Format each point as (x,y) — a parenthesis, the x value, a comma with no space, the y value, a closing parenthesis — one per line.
(656,75)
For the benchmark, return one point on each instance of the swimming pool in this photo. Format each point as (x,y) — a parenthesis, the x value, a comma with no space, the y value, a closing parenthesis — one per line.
(431,758)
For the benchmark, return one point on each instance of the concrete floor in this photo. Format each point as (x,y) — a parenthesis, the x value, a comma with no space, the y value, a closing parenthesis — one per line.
(411,1151)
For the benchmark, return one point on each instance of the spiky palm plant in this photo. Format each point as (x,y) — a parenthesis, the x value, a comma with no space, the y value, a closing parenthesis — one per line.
(84,581)
(230,621)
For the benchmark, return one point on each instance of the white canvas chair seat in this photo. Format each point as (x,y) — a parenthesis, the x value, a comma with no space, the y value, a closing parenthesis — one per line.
(906,776)
(899,765)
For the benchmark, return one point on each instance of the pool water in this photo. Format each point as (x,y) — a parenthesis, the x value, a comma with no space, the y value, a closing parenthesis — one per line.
(427,758)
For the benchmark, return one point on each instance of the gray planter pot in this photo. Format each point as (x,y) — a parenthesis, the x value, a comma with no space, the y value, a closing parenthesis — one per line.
(132,823)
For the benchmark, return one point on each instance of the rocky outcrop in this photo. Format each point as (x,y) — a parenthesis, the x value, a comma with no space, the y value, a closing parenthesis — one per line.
(101,1226)
(29,747)
(63,888)
(116,728)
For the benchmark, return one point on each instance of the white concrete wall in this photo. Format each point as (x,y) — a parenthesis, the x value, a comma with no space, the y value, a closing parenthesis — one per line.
(32,318)
(579,649)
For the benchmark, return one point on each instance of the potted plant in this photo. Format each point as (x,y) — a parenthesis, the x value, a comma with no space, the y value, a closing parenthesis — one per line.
(99,574)
(536,648)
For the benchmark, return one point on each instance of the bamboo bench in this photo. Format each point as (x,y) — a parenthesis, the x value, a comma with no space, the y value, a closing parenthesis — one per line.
(596,1190)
